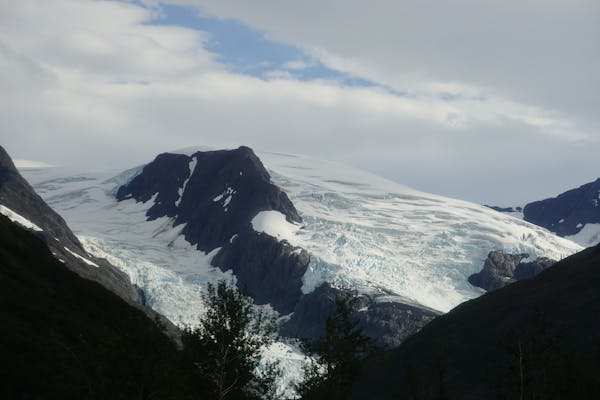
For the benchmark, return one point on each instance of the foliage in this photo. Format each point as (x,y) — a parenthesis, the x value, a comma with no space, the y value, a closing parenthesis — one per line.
(225,349)
(336,358)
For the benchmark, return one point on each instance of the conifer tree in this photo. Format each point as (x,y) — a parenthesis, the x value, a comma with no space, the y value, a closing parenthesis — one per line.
(336,359)
(225,349)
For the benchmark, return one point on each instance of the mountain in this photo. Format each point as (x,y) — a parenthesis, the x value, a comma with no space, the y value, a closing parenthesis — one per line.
(285,226)
(226,203)
(536,338)
(18,198)
(574,214)
(66,337)
(215,196)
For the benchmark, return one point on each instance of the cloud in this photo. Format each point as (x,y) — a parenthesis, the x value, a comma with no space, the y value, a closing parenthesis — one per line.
(97,83)
(538,53)
(297,64)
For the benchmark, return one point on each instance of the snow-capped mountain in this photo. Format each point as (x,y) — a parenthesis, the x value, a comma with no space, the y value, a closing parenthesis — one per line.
(314,228)
(361,231)
(574,214)
(217,198)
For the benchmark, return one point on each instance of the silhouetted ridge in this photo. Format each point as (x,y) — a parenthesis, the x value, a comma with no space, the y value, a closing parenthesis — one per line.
(17,195)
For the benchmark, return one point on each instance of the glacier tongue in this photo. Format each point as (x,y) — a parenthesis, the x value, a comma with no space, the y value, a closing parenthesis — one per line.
(171,272)
(374,235)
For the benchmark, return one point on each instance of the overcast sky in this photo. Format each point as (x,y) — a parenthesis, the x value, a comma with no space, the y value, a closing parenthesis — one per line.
(491,101)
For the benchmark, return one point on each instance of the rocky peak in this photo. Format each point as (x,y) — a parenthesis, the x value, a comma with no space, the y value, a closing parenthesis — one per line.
(215,193)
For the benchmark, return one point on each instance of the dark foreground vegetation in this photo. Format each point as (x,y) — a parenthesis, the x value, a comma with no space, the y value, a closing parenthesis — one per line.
(534,339)
(64,337)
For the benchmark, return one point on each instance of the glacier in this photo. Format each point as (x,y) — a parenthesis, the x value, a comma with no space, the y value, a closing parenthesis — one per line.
(377,236)
(363,232)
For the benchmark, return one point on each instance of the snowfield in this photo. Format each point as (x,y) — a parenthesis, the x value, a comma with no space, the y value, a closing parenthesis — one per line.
(588,236)
(364,232)
(375,235)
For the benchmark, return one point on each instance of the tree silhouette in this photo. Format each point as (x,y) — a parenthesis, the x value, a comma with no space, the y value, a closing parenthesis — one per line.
(225,350)
(336,359)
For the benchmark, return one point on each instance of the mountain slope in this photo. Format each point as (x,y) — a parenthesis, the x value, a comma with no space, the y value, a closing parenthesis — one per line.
(65,337)
(19,197)
(359,232)
(472,352)
(214,196)
(574,214)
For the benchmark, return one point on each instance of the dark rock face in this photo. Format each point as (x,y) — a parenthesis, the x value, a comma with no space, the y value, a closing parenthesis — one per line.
(567,213)
(527,270)
(498,270)
(501,269)
(226,189)
(217,194)
(390,323)
(19,196)
(387,323)
(164,176)
(269,271)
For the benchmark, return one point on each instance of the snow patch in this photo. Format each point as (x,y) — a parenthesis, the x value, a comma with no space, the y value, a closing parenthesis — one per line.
(273,223)
(85,260)
(291,360)
(229,192)
(588,236)
(192,167)
(16,218)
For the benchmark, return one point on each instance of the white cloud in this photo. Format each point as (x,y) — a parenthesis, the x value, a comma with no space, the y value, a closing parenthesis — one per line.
(92,83)
(538,53)
(297,65)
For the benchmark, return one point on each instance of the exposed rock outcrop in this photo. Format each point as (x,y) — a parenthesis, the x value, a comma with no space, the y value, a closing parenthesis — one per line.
(387,323)
(527,270)
(501,269)
(269,270)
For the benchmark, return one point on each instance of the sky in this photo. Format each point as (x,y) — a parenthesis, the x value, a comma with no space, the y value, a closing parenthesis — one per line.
(490,101)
